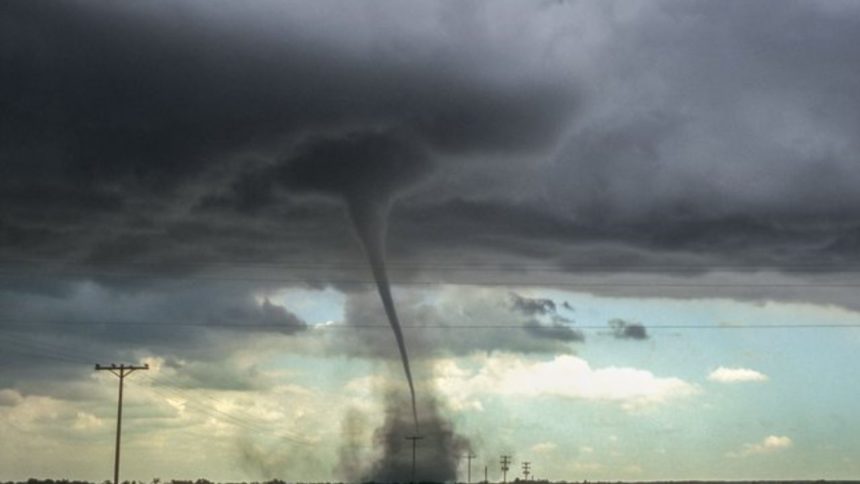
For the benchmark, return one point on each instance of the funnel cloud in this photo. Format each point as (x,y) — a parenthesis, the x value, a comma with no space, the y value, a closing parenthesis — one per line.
(366,170)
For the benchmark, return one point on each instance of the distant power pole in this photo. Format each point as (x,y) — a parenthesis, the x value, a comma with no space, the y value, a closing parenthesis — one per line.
(469,458)
(506,461)
(486,481)
(526,470)
(414,439)
(121,371)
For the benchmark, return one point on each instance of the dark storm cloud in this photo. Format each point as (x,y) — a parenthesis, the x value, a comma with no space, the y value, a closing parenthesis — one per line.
(154,95)
(556,330)
(551,325)
(533,306)
(356,165)
(124,124)
(145,144)
(193,327)
(268,317)
(118,119)
(622,329)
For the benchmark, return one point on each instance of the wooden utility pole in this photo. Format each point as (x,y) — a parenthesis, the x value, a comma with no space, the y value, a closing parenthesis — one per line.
(120,371)
(469,458)
(506,462)
(414,439)
(526,470)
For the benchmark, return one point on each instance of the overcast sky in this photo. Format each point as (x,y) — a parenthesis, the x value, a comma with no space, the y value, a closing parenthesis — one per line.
(622,237)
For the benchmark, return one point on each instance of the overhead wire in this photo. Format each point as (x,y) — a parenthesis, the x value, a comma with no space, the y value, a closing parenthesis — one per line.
(520,282)
(419,264)
(448,326)
(45,350)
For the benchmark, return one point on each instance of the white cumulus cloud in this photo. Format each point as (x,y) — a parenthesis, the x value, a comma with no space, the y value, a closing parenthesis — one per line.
(564,376)
(736,375)
(768,445)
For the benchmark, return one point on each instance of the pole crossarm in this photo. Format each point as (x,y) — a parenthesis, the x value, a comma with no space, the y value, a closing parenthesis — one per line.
(121,370)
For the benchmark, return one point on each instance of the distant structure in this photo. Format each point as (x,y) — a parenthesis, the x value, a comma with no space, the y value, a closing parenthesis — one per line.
(414,439)
(506,462)
(469,457)
(120,371)
(526,470)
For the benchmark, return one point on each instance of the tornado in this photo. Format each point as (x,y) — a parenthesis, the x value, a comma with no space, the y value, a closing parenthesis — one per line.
(367,170)
(370,222)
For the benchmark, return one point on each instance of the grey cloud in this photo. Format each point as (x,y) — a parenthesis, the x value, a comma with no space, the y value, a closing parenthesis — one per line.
(356,165)
(555,330)
(45,336)
(108,154)
(452,325)
(533,306)
(10,398)
(622,329)
(148,146)
(267,317)
(217,375)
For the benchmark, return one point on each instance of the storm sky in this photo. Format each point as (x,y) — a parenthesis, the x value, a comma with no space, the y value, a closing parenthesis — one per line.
(622,236)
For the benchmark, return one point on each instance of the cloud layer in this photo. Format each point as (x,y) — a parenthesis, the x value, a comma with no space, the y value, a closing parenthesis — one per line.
(560,142)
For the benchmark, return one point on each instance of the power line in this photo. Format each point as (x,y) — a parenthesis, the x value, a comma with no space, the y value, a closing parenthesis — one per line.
(419,264)
(225,417)
(42,349)
(317,281)
(245,420)
(50,351)
(419,261)
(452,325)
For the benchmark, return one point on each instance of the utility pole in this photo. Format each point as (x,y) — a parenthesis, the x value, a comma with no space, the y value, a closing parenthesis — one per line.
(121,371)
(506,461)
(414,439)
(526,470)
(486,481)
(469,457)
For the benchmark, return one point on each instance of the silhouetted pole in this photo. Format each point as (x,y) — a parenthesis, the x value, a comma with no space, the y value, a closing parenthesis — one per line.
(121,371)
(486,481)
(506,461)
(469,458)
(526,470)
(414,439)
